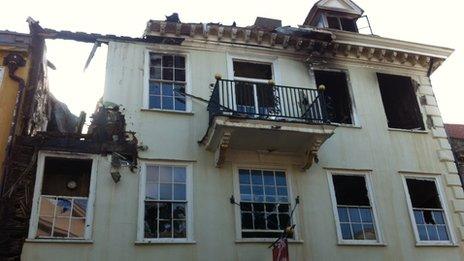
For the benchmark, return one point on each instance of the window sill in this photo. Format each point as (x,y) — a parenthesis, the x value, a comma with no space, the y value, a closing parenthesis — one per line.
(67,241)
(266,240)
(436,244)
(410,131)
(361,243)
(167,241)
(168,111)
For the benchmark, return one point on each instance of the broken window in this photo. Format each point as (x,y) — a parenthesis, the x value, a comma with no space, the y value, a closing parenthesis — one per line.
(252,87)
(165,202)
(336,94)
(167,82)
(340,23)
(63,206)
(400,102)
(429,215)
(264,203)
(355,215)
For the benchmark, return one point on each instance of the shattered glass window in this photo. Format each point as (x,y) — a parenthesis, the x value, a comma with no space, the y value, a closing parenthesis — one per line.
(64,198)
(165,202)
(355,214)
(428,211)
(264,203)
(167,82)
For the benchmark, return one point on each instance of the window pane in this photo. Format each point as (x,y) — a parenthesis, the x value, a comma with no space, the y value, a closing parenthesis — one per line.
(357,231)
(153,174)
(168,89)
(179,61)
(422,232)
(259,222)
(61,227)
(438,217)
(245,206)
(180,174)
(343,214)
(178,210)
(179,192)
(256,177)
(280,178)
(168,61)
(180,229)
(284,221)
(165,211)
(168,74)
(63,207)
(247,221)
(155,88)
(369,231)
(151,220)
(346,231)
(282,191)
(269,178)
(354,215)
(245,189)
(165,174)
(270,190)
(179,90)
(252,70)
(179,104)
(419,217)
(168,103)
(432,232)
(423,193)
(442,233)
(79,208)
(166,191)
(244,176)
(151,191)
(45,226)
(272,222)
(165,229)
(350,190)
(180,75)
(47,206)
(155,59)
(154,102)
(258,190)
(366,215)
(77,229)
(155,73)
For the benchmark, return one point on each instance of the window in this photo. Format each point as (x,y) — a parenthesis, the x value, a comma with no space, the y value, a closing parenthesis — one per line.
(264,203)
(165,203)
(340,23)
(63,198)
(167,82)
(400,102)
(254,88)
(336,94)
(353,209)
(426,207)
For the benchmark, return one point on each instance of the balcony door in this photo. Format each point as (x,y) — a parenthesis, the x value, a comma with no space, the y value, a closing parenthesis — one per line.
(253,94)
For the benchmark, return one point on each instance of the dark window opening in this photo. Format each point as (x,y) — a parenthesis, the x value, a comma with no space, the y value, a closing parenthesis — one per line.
(336,94)
(428,211)
(350,190)
(400,102)
(66,177)
(251,70)
(344,24)
(334,23)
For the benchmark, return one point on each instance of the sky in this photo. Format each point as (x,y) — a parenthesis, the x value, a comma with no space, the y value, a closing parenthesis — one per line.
(423,21)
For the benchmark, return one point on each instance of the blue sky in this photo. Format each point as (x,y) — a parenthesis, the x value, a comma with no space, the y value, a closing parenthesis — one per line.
(431,22)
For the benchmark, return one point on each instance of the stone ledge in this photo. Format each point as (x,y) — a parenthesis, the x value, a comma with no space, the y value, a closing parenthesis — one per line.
(444,144)
(437,121)
(432,110)
(439,132)
(458,193)
(453,180)
(425,89)
(445,155)
(451,167)
(430,100)
(458,205)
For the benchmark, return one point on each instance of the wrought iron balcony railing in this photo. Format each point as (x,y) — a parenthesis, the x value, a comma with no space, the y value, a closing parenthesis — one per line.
(267,101)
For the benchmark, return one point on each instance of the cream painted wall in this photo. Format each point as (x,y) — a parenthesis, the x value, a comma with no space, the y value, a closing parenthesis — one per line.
(174,136)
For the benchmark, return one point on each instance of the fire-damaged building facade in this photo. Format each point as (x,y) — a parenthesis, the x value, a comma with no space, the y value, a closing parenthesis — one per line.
(221,142)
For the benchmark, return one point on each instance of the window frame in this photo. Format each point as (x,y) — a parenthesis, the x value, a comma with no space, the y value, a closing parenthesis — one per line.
(2,72)
(141,203)
(34,219)
(370,193)
(338,17)
(146,79)
(449,225)
(354,114)
(238,217)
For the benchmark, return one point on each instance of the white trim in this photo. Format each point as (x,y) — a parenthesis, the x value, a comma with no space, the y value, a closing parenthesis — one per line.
(238,218)
(2,72)
(378,231)
(146,78)
(449,224)
(141,202)
(33,222)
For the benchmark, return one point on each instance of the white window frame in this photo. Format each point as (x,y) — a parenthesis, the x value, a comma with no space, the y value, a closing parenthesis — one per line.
(34,220)
(141,209)
(2,72)
(238,216)
(449,224)
(370,193)
(146,79)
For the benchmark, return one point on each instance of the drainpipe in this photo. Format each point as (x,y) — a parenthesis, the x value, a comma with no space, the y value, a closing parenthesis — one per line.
(13,61)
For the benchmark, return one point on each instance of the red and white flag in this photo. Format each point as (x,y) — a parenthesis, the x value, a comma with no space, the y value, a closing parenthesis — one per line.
(280,250)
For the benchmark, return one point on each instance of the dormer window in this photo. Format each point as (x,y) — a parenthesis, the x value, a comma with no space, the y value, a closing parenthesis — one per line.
(340,23)
(334,14)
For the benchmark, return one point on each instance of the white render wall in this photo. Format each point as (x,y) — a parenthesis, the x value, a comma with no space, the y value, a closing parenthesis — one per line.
(175,136)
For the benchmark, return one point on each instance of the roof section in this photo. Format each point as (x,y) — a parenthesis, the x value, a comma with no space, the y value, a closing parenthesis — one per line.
(340,6)
(455,131)
(15,40)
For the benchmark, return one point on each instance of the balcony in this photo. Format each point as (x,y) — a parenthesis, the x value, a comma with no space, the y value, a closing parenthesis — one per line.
(262,116)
